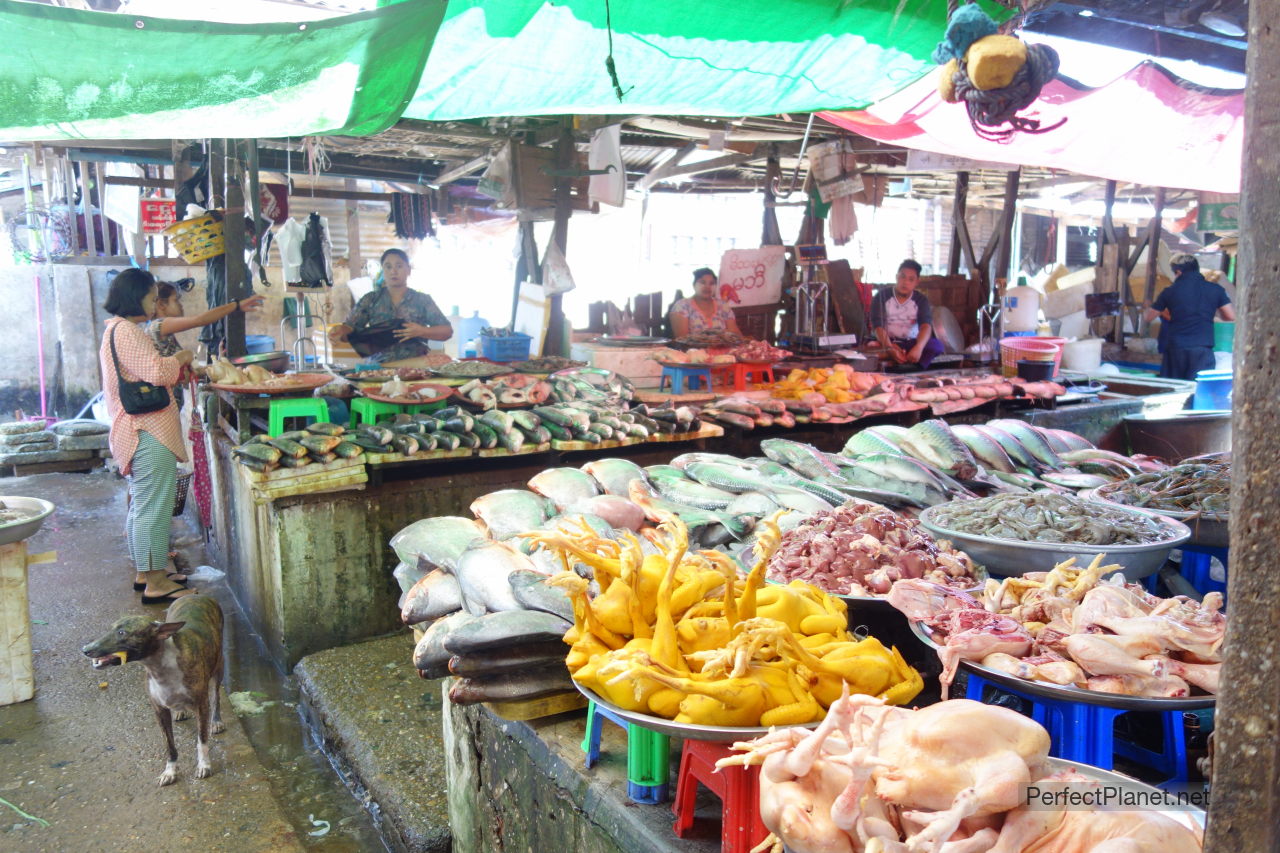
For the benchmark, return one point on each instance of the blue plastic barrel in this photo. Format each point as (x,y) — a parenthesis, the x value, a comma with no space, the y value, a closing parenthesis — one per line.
(1213,390)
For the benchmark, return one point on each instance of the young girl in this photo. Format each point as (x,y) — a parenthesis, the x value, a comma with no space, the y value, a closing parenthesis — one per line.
(169,319)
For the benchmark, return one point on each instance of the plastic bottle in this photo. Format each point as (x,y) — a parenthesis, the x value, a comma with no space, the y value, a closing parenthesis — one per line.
(453,345)
(470,351)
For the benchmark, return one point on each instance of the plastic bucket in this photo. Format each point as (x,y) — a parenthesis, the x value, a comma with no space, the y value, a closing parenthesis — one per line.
(1034,371)
(1213,390)
(258,344)
(1033,349)
(1082,355)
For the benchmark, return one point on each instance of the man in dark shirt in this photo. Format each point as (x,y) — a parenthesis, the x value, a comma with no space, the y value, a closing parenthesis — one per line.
(902,319)
(1187,308)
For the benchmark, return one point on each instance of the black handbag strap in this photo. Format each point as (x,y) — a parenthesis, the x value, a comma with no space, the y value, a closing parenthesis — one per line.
(116,358)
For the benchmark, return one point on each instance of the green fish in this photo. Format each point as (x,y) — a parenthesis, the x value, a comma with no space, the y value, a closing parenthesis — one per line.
(1030,439)
(867,441)
(932,441)
(984,448)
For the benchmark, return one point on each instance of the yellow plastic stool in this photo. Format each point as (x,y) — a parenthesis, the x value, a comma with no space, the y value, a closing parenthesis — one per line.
(312,408)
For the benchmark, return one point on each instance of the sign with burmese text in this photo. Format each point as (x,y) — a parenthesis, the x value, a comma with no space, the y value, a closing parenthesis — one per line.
(157,214)
(752,276)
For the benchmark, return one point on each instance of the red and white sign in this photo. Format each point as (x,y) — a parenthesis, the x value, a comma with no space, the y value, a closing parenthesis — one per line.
(158,214)
(752,276)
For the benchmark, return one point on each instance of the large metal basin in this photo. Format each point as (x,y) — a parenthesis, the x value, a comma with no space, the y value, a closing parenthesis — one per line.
(1207,531)
(1006,557)
(1179,436)
(24,528)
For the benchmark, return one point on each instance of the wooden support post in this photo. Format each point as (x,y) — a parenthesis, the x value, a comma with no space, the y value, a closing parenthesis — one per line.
(110,246)
(69,184)
(1107,233)
(554,341)
(958,210)
(1005,254)
(233,238)
(1245,813)
(355,258)
(1153,253)
(86,198)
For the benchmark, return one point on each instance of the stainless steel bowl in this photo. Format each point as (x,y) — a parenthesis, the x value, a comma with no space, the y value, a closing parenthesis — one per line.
(1208,530)
(1007,557)
(276,362)
(24,528)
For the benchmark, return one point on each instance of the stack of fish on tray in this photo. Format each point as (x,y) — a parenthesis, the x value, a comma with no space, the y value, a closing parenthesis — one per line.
(1068,627)
(490,617)
(936,459)
(591,384)
(319,443)
(514,389)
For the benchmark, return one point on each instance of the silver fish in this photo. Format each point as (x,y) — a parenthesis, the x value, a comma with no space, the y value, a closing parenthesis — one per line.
(532,683)
(482,576)
(655,506)
(933,441)
(430,656)
(729,477)
(489,664)
(510,511)
(891,433)
(684,460)
(803,503)
(757,504)
(1030,439)
(407,574)
(436,595)
(564,486)
(507,629)
(614,475)
(1069,438)
(664,472)
(984,448)
(438,541)
(534,593)
(694,494)
(1021,457)
(804,458)
(867,441)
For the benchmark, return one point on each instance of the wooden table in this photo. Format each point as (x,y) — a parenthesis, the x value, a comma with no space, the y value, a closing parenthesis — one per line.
(17,677)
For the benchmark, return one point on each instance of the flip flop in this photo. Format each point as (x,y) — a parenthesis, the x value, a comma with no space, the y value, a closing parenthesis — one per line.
(176,577)
(171,596)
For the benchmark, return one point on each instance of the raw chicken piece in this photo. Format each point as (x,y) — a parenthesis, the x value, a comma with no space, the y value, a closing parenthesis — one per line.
(1202,675)
(1169,687)
(1052,671)
(974,634)
(1040,829)
(1102,654)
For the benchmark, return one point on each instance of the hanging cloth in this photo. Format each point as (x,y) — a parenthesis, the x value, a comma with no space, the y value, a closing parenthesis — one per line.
(606,153)
(315,255)
(411,215)
(289,239)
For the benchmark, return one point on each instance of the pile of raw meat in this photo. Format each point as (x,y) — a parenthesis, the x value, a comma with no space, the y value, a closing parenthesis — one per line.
(862,548)
(949,777)
(1065,627)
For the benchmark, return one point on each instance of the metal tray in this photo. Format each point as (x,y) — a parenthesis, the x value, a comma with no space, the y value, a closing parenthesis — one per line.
(881,602)
(1209,530)
(688,731)
(630,341)
(1063,693)
(1006,557)
(23,528)
(300,383)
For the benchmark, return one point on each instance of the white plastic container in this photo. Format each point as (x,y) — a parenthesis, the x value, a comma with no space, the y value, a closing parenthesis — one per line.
(1083,355)
(1021,309)
(451,345)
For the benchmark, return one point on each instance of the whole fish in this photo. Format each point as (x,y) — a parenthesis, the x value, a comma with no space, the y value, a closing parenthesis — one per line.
(830,490)
(891,433)
(510,511)
(564,486)
(694,494)
(1069,438)
(933,441)
(1026,482)
(482,576)
(489,664)
(436,595)
(656,508)
(1075,481)
(512,687)
(984,448)
(436,541)
(866,441)
(534,593)
(729,477)
(804,458)
(406,575)
(1094,454)
(619,512)
(684,460)
(1030,439)
(757,504)
(1056,444)
(1021,457)
(664,472)
(803,503)
(507,629)
(430,656)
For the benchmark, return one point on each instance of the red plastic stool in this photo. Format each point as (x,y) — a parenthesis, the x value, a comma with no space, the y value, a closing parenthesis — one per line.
(744,373)
(737,787)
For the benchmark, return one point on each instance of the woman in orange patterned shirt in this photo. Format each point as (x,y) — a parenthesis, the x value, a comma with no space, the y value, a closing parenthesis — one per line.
(148,446)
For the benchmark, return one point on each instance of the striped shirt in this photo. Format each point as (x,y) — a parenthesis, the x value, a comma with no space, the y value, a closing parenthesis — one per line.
(139,362)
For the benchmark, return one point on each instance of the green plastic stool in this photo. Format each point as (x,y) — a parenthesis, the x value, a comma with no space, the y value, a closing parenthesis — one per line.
(366,411)
(648,755)
(312,408)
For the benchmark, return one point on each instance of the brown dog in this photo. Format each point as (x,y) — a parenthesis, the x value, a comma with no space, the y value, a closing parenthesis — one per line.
(183,658)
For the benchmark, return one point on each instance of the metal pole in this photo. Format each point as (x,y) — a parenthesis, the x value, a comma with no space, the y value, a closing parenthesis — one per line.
(1245,813)
(233,238)
(554,343)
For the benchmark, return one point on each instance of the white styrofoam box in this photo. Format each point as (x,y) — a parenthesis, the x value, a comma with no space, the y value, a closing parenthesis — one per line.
(1069,300)
(634,363)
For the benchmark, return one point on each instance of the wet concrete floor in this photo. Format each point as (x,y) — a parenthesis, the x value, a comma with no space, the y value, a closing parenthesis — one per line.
(79,762)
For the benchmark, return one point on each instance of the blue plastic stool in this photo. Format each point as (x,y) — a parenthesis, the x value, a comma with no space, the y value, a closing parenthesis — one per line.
(679,376)
(1195,568)
(313,409)
(1086,733)
(648,755)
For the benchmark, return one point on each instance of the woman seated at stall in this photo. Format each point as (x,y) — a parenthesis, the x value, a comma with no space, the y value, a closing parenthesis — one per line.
(703,313)
(392,322)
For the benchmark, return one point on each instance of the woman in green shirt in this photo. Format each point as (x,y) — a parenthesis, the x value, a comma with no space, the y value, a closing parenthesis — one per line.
(411,316)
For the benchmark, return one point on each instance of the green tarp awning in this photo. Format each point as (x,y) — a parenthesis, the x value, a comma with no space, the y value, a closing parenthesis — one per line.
(68,74)
(74,74)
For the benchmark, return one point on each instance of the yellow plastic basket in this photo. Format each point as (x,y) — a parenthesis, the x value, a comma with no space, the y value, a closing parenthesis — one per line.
(197,239)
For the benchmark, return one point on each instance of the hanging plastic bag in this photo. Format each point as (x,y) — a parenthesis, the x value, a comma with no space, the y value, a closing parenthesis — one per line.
(556,277)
